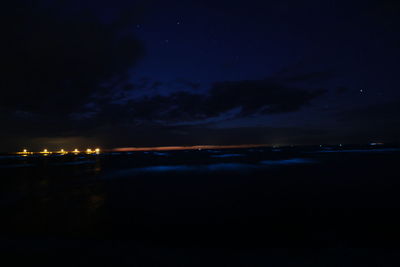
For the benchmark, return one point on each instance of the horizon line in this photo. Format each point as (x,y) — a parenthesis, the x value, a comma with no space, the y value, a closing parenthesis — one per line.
(196,147)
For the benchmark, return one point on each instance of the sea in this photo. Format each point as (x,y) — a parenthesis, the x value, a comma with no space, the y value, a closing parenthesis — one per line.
(263,206)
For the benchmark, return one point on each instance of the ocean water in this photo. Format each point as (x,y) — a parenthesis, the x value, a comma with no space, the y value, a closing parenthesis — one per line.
(236,206)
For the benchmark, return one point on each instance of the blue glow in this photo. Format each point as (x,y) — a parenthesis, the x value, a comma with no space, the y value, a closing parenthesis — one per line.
(288,161)
(227,156)
(208,167)
(181,168)
(165,168)
(213,151)
(160,154)
(229,166)
(154,169)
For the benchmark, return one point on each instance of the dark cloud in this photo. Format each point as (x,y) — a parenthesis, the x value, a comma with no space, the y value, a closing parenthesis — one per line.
(57,58)
(167,115)
(259,97)
(238,99)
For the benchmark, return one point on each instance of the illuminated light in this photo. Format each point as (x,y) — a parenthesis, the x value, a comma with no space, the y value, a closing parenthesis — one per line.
(97,150)
(45,152)
(24,152)
(89,151)
(76,151)
(376,144)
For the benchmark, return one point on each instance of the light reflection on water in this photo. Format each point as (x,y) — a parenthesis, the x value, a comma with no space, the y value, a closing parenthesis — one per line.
(230,166)
(160,154)
(184,168)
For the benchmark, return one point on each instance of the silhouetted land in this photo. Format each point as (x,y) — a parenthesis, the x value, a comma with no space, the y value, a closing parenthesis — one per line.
(250,207)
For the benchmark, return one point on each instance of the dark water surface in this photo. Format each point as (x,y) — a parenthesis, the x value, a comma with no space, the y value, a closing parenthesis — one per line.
(243,207)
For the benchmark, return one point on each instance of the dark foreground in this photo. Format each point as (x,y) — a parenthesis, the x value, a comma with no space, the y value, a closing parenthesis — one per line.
(248,207)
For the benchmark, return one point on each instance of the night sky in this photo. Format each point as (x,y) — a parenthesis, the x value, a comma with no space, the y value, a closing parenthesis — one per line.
(153,73)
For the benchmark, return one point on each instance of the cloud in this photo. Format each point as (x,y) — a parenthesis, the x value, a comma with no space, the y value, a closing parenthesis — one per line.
(58,57)
(259,97)
(155,113)
(240,98)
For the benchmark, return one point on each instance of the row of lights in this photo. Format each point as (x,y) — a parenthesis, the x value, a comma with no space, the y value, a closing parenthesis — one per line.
(62,151)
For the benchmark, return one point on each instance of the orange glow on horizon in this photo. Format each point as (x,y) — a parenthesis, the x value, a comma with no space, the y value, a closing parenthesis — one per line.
(166,148)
